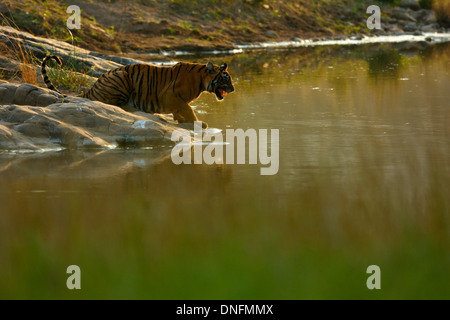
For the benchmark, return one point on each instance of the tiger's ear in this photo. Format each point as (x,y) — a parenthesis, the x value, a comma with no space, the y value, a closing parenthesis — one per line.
(210,67)
(224,67)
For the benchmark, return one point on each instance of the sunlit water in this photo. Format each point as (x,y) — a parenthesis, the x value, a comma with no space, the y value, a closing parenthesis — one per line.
(340,111)
(364,150)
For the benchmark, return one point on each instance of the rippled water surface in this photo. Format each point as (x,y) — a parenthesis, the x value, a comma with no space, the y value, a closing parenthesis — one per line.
(364,161)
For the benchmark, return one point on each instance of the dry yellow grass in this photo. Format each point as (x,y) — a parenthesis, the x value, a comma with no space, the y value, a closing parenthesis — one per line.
(66,77)
(18,52)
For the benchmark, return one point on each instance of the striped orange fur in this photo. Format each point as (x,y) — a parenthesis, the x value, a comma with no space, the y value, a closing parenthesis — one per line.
(158,89)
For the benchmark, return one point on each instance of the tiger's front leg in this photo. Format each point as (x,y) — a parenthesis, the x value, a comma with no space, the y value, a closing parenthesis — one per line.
(185,114)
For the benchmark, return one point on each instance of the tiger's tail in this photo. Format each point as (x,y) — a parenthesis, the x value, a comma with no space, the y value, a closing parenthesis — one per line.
(47,81)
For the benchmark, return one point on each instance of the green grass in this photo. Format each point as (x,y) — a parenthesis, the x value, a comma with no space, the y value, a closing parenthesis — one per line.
(239,19)
(68,78)
(48,19)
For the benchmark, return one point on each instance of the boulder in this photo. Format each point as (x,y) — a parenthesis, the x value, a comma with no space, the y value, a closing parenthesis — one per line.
(430,27)
(34,119)
(27,94)
(271,34)
(46,99)
(7,93)
(402,14)
(410,4)
(423,16)
(410,27)
(429,17)
(394,28)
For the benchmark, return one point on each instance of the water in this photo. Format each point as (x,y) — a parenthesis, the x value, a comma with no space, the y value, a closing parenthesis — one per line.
(363,179)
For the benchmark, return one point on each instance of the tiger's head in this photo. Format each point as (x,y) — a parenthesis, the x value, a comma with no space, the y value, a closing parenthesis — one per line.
(219,81)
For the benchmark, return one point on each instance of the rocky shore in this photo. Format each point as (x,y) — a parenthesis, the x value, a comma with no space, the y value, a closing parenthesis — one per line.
(410,17)
(35,119)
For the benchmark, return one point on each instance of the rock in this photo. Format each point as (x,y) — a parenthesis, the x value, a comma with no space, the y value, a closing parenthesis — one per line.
(423,16)
(430,28)
(410,4)
(45,100)
(78,123)
(27,94)
(120,60)
(410,27)
(7,92)
(31,130)
(429,17)
(402,14)
(7,73)
(393,28)
(13,140)
(417,14)
(271,34)
(356,37)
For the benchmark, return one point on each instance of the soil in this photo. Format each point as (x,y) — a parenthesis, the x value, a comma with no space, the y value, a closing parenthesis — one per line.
(157,25)
(154,29)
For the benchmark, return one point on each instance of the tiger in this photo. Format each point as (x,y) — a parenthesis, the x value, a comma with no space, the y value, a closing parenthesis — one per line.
(156,89)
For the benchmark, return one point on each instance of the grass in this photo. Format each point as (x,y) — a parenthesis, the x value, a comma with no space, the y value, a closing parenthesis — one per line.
(241,20)
(16,51)
(48,19)
(68,76)
(39,16)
